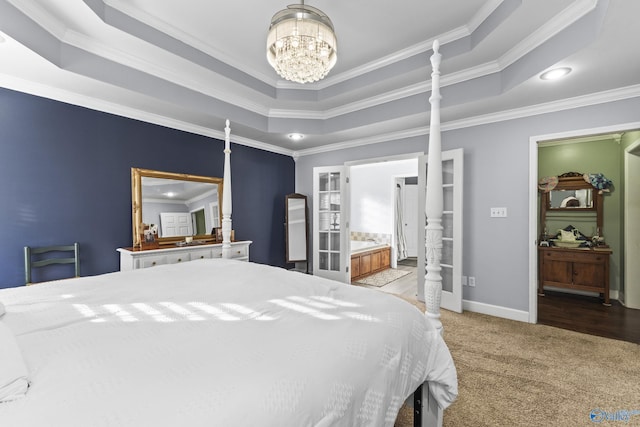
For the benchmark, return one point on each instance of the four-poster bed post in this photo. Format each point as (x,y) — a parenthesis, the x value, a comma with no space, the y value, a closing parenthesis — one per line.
(426,412)
(226,196)
(434,201)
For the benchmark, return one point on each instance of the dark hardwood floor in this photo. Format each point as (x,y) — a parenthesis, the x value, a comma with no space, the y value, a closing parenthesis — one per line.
(589,316)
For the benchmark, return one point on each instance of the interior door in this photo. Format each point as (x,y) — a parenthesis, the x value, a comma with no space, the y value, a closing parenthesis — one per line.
(176,224)
(451,260)
(410,212)
(330,223)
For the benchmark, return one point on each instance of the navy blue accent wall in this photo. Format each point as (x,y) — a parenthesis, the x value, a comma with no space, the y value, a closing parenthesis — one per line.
(65,176)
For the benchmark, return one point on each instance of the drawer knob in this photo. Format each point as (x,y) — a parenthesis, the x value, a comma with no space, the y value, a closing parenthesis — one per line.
(201,256)
(179,259)
(153,263)
(239,252)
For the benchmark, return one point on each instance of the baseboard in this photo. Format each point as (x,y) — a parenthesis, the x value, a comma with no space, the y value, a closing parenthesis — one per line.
(613,294)
(496,310)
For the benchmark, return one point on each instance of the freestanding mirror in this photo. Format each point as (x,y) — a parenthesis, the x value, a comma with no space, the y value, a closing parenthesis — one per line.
(296,227)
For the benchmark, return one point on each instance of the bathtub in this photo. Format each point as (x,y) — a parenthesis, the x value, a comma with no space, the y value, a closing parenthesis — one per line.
(358,246)
(368,257)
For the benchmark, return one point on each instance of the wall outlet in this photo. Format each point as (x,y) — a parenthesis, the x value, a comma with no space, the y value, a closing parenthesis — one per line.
(498,212)
(472,281)
(464,280)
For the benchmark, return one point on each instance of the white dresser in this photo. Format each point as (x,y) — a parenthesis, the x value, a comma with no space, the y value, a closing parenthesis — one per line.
(135,259)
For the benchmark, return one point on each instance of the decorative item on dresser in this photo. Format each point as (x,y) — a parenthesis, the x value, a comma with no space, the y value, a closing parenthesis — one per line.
(569,259)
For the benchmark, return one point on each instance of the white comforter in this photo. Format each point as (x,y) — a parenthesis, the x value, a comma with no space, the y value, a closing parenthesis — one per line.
(219,343)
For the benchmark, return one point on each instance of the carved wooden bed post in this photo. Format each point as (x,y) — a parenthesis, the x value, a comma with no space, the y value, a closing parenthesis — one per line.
(434,203)
(226,196)
(427,413)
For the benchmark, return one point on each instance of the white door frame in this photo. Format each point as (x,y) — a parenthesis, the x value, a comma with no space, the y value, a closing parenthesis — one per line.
(631,297)
(533,199)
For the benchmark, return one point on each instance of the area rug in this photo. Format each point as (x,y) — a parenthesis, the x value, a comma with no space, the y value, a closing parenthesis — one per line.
(518,374)
(383,277)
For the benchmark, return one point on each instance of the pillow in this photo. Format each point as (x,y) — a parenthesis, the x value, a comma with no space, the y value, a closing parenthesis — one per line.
(14,376)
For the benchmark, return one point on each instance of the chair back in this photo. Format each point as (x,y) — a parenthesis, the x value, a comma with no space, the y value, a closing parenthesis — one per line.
(38,257)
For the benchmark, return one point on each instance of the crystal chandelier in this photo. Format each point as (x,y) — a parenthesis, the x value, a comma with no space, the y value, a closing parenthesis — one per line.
(301,45)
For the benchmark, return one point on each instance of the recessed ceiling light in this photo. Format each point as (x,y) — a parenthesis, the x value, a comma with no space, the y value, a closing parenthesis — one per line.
(555,74)
(296,136)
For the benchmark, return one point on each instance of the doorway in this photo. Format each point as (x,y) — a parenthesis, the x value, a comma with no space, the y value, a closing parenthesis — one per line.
(619,138)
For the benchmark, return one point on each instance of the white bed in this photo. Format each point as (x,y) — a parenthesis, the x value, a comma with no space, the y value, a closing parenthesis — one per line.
(219,343)
(226,343)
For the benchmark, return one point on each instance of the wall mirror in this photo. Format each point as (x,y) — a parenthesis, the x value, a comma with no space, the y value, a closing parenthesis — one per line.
(174,205)
(571,192)
(296,228)
(571,199)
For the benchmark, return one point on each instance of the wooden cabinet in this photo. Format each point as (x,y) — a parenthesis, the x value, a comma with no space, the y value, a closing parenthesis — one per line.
(580,269)
(369,262)
(134,259)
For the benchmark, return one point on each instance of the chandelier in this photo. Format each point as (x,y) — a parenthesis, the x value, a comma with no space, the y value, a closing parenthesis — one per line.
(301,45)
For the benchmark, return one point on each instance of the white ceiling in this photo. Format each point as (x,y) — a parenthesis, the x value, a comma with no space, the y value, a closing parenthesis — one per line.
(191,65)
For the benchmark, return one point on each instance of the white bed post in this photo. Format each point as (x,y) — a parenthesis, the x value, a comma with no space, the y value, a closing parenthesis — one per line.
(434,202)
(226,196)
(430,413)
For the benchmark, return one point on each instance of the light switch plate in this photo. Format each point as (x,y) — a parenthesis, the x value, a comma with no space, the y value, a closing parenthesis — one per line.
(498,212)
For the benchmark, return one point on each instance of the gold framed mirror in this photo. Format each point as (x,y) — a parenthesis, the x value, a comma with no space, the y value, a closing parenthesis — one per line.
(170,207)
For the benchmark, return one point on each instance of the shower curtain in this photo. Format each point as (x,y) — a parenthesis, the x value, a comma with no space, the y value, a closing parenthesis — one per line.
(401,240)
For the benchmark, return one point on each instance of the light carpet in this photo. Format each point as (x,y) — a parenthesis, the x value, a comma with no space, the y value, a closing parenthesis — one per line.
(383,277)
(518,374)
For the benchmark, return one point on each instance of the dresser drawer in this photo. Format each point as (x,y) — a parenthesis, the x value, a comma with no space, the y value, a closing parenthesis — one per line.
(178,257)
(239,251)
(151,261)
(576,256)
(202,254)
(216,252)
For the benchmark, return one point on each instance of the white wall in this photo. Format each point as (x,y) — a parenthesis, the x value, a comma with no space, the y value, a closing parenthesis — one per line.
(372,195)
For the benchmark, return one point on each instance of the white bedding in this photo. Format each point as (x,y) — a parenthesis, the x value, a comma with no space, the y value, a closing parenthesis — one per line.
(219,343)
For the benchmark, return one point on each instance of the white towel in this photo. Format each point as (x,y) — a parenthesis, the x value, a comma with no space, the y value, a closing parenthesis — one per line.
(14,376)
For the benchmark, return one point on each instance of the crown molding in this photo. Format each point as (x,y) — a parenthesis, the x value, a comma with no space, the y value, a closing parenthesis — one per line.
(40,16)
(567,17)
(501,116)
(170,30)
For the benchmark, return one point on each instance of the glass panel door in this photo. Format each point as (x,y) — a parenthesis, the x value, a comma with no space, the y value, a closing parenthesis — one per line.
(451,258)
(329,259)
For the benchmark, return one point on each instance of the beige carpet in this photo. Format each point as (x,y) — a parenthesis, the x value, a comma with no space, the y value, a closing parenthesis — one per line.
(383,277)
(518,374)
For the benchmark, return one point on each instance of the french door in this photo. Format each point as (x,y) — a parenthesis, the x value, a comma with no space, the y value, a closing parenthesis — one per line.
(451,260)
(330,223)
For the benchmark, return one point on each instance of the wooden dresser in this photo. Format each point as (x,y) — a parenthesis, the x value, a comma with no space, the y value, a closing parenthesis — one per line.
(580,269)
(131,259)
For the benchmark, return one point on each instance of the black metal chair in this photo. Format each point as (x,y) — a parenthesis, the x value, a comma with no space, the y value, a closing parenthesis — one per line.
(37,257)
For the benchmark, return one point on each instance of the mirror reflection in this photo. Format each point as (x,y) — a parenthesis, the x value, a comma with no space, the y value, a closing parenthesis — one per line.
(178,207)
(567,199)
